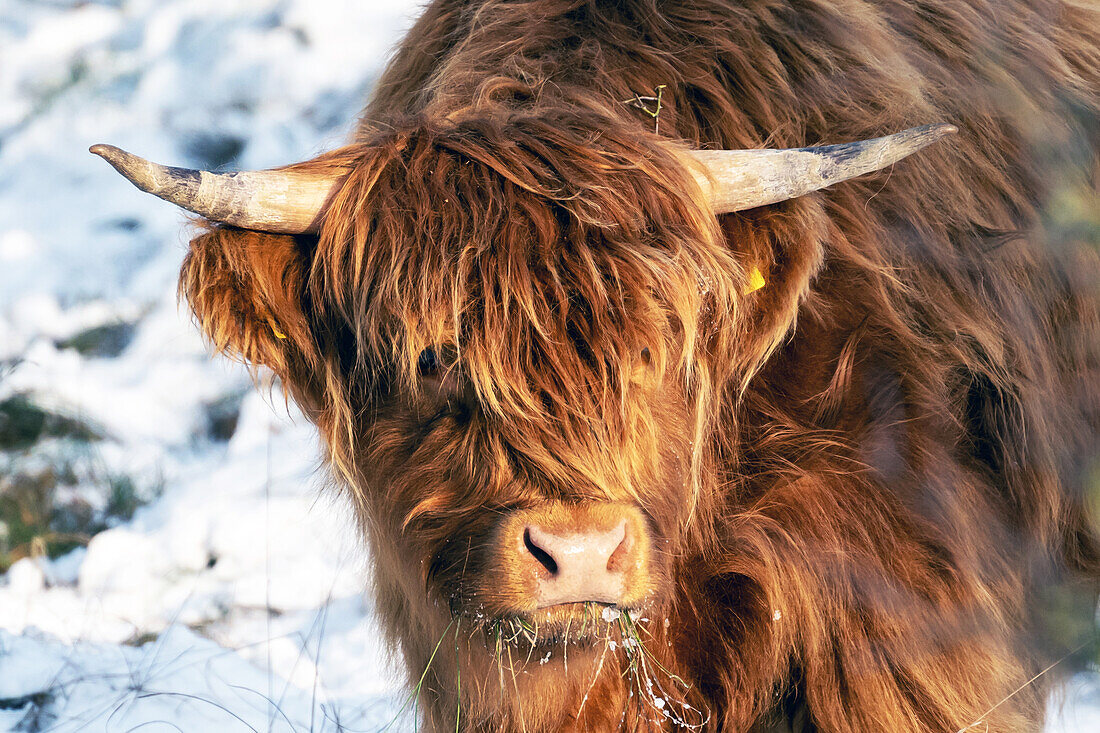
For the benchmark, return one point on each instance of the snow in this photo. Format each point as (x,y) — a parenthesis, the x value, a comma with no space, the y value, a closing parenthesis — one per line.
(1076,705)
(179,681)
(233,600)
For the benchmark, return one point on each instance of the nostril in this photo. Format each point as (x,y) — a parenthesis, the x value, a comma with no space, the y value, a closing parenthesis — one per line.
(578,561)
(620,557)
(539,554)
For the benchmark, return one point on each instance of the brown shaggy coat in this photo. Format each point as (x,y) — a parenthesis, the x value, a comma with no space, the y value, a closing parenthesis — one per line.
(866,480)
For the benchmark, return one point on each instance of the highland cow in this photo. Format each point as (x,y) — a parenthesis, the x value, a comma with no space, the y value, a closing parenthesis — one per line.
(653,420)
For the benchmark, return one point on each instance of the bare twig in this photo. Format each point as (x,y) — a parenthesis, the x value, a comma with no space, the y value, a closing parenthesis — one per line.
(650,105)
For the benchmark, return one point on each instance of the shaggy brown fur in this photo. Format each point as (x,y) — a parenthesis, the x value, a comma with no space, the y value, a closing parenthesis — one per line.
(517,301)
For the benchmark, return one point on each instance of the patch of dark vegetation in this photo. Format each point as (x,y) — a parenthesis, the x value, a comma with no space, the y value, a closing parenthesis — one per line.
(222,416)
(55,493)
(24,423)
(107,341)
(36,523)
(123,224)
(301,36)
(123,498)
(212,151)
(44,514)
(37,717)
(145,637)
(37,699)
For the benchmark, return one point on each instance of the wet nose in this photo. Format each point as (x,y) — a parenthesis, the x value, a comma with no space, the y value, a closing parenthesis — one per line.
(584,564)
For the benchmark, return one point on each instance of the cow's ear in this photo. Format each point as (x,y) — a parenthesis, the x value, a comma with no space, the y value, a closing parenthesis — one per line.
(247,291)
(782,249)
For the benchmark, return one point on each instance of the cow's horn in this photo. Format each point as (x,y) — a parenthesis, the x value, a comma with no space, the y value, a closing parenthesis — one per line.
(742,179)
(279,201)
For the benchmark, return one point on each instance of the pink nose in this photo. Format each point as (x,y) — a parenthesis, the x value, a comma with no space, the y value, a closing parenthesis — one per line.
(580,566)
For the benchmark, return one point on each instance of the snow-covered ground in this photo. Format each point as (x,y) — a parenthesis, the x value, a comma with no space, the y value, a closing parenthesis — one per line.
(165,617)
(232,600)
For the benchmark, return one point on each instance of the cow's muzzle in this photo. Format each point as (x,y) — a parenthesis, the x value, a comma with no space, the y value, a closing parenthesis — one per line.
(563,554)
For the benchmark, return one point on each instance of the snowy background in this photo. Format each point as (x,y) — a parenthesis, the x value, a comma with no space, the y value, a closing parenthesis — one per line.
(171,560)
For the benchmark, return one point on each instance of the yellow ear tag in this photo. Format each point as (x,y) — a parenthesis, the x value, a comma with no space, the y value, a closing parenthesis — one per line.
(275,329)
(756,281)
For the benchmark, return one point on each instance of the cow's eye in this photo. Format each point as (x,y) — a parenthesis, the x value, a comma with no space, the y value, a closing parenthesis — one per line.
(645,355)
(428,363)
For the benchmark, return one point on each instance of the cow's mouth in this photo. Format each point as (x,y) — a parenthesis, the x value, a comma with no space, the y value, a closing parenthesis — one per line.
(578,624)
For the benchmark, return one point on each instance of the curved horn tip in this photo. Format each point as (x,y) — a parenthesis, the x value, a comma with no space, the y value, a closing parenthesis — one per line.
(119,159)
(107,152)
(146,175)
(936,131)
